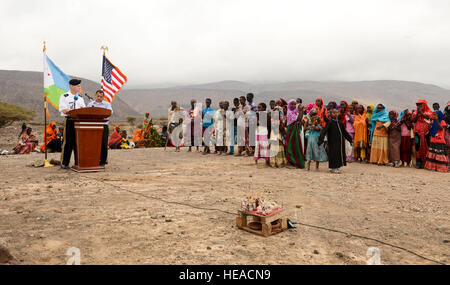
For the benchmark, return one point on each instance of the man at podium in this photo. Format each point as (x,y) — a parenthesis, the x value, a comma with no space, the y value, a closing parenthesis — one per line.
(100,103)
(67,102)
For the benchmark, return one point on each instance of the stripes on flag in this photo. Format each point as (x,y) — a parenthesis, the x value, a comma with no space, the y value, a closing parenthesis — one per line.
(112,81)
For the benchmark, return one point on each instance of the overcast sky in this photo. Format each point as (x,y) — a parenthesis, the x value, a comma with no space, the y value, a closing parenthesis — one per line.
(189,41)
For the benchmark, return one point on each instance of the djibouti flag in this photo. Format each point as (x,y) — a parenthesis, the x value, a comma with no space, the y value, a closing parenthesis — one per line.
(56,82)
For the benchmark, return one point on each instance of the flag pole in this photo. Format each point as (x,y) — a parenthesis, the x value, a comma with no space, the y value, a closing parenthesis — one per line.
(104,48)
(46,163)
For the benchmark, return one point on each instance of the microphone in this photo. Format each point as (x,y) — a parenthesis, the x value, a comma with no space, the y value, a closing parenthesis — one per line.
(92,99)
(75,98)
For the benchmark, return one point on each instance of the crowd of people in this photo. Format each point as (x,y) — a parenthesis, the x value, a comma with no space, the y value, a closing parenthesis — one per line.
(291,134)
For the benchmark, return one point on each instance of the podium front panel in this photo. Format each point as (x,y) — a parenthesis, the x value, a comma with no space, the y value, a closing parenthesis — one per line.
(88,140)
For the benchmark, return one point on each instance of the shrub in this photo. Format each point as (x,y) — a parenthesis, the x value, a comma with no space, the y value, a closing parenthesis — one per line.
(131,120)
(9,113)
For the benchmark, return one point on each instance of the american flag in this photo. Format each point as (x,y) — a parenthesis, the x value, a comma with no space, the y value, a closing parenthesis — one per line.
(112,81)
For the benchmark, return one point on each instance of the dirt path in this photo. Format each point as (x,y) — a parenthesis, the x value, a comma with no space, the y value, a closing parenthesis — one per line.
(137,212)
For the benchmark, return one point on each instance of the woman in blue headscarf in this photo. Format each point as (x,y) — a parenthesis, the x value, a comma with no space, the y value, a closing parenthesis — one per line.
(379,136)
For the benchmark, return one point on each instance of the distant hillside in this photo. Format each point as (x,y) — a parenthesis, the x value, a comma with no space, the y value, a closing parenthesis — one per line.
(395,94)
(25,88)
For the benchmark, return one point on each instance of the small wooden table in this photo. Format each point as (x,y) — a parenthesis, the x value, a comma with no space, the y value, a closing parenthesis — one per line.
(266,222)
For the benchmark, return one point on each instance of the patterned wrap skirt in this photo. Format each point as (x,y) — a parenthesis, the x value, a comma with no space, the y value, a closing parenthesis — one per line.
(437,158)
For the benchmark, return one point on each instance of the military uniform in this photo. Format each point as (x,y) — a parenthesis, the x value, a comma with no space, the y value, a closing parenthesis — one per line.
(69,101)
(104,151)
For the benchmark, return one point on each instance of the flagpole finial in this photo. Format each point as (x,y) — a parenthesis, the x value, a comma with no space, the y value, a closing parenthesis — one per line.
(45,48)
(104,48)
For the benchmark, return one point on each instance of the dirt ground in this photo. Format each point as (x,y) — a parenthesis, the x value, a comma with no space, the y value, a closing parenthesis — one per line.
(161,207)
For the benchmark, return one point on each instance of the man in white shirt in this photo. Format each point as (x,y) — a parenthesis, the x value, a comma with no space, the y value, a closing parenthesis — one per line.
(100,103)
(69,101)
(175,119)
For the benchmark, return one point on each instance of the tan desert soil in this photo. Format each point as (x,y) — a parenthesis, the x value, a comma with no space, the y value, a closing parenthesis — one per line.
(147,209)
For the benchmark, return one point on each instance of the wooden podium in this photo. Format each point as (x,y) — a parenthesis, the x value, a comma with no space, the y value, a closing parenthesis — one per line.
(88,123)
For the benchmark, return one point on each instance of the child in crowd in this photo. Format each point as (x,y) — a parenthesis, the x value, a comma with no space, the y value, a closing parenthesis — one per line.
(337,135)
(262,135)
(313,150)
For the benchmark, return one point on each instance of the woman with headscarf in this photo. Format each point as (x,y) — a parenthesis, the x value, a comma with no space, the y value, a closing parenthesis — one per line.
(147,124)
(115,139)
(23,131)
(421,119)
(369,114)
(395,138)
(343,110)
(437,156)
(309,107)
(406,139)
(27,142)
(263,125)
(380,145)
(277,136)
(53,143)
(322,112)
(138,137)
(349,120)
(294,149)
(355,105)
(447,121)
(360,138)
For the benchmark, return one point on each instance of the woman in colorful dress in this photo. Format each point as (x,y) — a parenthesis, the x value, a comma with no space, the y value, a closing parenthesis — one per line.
(421,119)
(294,153)
(262,135)
(277,136)
(343,110)
(138,138)
(447,131)
(406,140)
(27,142)
(360,137)
(380,144)
(53,144)
(395,139)
(349,120)
(437,156)
(115,139)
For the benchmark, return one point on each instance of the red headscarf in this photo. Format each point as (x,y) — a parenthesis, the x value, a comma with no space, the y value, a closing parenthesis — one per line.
(342,119)
(51,134)
(115,136)
(322,112)
(425,109)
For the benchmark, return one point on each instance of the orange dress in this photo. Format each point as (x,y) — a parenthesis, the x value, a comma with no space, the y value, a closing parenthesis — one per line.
(138,138)
(52,134)
(360,138)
